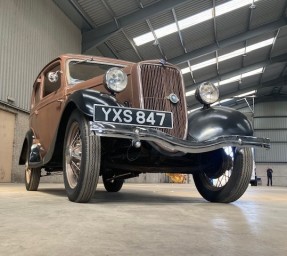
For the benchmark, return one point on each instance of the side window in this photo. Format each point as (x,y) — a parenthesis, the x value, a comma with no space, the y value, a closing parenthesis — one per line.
(36,96)
(37,92)
(50,87)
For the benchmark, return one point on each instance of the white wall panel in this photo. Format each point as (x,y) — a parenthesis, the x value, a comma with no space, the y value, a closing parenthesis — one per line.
(31,34)
(270,121)
(275,136)
(277,154)
(271,108)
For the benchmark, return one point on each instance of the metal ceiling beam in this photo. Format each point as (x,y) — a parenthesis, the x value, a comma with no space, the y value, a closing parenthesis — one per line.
(94,37)
(273,44)
(230,41)
(106,51)
(156,42)
(280,58)
(75,14)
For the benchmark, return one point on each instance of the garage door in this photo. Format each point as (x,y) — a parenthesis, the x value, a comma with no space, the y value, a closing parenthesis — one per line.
(7,122)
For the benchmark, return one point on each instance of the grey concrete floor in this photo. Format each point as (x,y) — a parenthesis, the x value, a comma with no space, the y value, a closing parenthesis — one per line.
(142,219)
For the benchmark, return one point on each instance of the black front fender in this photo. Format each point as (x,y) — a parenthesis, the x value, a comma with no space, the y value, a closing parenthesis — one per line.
(205,124)
(85,100)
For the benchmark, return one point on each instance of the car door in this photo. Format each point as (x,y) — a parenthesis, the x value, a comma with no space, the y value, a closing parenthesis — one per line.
(47,106)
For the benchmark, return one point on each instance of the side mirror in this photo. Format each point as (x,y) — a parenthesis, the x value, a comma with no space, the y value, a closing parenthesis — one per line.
(53,77)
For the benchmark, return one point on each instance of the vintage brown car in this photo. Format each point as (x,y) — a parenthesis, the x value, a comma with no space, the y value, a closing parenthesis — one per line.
(93,116)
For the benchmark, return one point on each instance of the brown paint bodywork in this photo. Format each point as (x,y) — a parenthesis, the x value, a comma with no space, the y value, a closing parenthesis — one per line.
(46,114)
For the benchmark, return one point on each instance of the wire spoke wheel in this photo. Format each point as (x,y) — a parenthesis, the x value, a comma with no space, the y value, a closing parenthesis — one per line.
(226,172)
(73,155)
(32,177)
(111,183)
(230,180)
(81,161)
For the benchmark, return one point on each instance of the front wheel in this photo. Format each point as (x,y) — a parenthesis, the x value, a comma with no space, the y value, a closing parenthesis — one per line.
(229,182)
(82,154)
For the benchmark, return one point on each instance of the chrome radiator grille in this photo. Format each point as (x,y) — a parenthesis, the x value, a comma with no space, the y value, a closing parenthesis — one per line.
(158,82)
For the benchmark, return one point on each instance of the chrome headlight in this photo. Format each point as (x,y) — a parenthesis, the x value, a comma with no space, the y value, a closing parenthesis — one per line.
(207,93)
(116,79)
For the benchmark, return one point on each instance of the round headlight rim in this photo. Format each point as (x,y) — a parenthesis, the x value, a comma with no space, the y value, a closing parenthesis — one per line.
(199,97)
(109,86)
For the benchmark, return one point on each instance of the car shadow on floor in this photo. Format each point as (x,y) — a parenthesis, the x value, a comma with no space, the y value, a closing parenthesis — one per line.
(142,197)
(130,196)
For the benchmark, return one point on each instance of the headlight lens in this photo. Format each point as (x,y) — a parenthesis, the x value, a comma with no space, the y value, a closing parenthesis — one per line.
(207,93)
(116,79)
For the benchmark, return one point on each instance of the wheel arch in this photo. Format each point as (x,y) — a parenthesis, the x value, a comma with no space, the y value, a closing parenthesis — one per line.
(25,147)
(84,101)
(59,142)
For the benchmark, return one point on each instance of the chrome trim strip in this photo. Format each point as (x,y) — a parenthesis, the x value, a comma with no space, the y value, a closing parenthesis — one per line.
(175,144)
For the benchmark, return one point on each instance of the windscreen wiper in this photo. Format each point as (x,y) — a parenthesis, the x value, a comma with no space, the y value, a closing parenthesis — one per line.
(82,61)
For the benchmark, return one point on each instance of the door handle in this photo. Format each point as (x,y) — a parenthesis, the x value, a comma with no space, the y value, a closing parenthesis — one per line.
(36,112)
(60,100)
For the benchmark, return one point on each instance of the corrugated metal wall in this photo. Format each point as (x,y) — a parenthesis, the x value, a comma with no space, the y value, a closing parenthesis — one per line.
(32,33)
(270,120)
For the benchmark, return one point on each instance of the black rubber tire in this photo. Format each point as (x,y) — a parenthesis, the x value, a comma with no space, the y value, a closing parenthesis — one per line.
(114,185)
(32,178)
(237,183)
(89,166)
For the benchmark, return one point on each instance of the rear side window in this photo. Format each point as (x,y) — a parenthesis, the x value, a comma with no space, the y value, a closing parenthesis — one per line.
(50,87)
(36,93)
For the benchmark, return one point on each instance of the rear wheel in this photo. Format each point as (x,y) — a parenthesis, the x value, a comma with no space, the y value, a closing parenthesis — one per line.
(111,183)
(82,154)
(32,177)
(229,182)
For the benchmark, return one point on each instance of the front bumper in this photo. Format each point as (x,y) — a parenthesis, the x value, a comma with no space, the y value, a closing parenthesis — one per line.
(172,144)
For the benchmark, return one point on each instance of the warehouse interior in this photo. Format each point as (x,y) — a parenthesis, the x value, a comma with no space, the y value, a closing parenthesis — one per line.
(239,45)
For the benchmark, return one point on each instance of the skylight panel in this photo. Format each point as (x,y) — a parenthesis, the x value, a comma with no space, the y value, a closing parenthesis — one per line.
(245,94)
(230,55)
(166,30)
(233,79)
(195,19)
(221,101)
(185,70)
(203,64)
(252,73)
(190,93)
(143,39)
(259,45)
(229,80)
(192,20)
(231,6)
